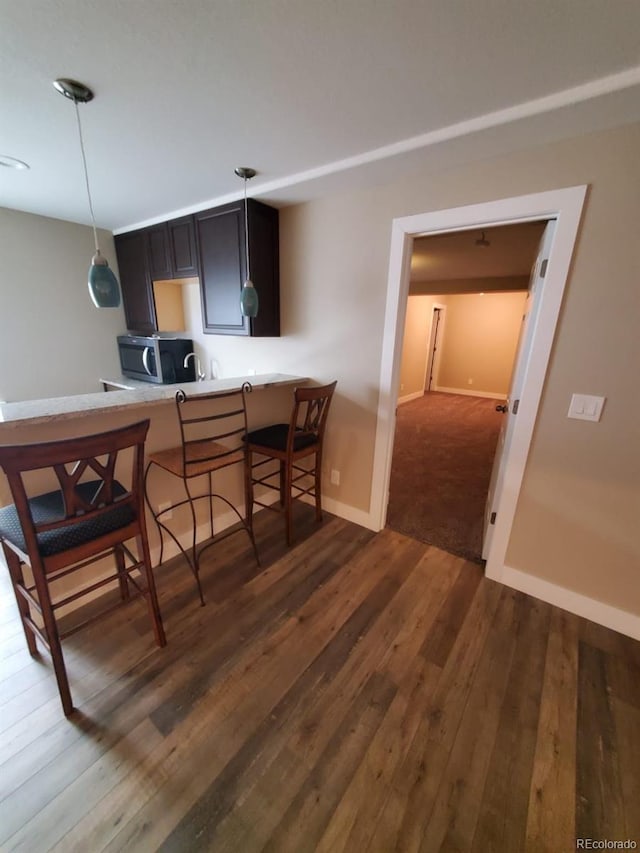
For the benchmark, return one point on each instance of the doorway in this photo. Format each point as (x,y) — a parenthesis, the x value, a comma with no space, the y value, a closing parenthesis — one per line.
(446,433)
(565,205)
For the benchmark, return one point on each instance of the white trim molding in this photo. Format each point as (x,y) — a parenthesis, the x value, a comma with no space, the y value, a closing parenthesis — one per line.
(565,206)
(489,394)
(589,608)
(409,397)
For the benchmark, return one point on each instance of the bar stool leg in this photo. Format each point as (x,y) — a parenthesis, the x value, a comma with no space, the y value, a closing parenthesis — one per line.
(53,638)
(151,594)
(318,486)
(288,500)
(123,577)
(17,580)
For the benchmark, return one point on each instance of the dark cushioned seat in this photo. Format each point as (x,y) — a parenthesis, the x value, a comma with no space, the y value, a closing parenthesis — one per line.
(276,435)
(49,507)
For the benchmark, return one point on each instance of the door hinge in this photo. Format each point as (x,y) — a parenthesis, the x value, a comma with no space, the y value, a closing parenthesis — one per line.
(492,520)
(514,408)
(543,268)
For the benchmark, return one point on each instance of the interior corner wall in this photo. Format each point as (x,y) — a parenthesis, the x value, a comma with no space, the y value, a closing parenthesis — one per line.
(53,340)
(479,342)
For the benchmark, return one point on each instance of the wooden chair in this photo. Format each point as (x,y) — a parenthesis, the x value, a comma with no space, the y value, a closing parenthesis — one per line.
(212,428)
(62,531)
(301,438)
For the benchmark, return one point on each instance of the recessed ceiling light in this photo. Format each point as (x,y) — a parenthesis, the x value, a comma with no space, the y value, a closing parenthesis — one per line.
(12,163)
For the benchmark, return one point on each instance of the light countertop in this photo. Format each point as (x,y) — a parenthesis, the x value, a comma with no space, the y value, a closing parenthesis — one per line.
(137,393)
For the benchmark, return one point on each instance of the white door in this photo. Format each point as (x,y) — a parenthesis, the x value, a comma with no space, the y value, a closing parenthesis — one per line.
(510,407)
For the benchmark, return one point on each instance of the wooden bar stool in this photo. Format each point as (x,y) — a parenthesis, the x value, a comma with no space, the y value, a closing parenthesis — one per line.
(301,438)
(62,531)
(213,428)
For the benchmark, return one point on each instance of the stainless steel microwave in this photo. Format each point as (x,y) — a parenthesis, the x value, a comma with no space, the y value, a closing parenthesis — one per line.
(156,359)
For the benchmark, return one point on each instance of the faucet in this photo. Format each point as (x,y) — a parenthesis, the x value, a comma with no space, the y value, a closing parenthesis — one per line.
(201,376)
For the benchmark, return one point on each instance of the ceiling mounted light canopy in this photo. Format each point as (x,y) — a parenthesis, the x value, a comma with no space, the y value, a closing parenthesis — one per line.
(103,285)
(249,295)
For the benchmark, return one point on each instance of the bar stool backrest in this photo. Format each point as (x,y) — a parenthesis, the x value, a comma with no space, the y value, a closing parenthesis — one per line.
(310,411)
(212,428)
(73,460)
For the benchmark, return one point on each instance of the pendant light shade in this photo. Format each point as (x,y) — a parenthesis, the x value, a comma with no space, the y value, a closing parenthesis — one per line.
(103,285)
(249,301)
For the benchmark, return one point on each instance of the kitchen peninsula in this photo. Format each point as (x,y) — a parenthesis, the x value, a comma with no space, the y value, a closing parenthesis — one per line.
(135,394)
(68,417)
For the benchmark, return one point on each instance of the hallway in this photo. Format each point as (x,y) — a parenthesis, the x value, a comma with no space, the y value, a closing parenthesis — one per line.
(442,459)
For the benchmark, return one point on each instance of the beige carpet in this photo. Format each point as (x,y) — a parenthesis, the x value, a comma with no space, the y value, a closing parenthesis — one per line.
(442,459)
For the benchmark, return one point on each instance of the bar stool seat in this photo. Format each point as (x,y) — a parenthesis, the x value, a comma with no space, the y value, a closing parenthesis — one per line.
(68,529)
(301,438)
(212,428)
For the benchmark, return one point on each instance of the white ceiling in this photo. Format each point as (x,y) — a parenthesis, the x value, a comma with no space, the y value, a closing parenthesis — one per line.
(314,94)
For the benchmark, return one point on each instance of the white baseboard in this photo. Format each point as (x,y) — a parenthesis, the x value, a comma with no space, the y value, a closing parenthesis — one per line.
(589,608)
(409,397)
(489,394)
(349,513)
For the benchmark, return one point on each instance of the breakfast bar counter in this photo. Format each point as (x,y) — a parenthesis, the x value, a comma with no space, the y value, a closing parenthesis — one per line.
(138,394)
(86,414)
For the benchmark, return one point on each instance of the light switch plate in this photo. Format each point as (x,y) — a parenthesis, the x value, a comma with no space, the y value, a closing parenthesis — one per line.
(585,407)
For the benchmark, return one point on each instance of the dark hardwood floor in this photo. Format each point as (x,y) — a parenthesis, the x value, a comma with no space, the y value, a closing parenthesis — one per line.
(359,692)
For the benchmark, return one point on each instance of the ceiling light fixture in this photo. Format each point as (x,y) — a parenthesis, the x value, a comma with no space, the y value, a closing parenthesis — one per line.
(482,241)
(12,162)
(249,295)
(103,285)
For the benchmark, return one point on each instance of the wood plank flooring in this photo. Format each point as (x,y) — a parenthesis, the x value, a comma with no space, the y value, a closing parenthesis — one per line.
(358,692)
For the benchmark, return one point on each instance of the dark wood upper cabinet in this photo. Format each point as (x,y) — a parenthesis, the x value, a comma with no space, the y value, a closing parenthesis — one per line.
(182,247)
(172,249)
(135,281)
(159,255)
(220,239)
(210,245)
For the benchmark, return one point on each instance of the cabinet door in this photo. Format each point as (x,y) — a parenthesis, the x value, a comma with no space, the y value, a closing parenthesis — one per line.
(135,281)
(265,267)
(159,255)
(182,247)
(220,239)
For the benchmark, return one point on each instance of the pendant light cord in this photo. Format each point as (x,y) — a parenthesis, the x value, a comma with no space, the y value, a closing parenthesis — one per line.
(246,230)
(86,178)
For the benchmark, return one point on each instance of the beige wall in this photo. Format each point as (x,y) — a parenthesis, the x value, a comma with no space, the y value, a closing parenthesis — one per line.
(479,340)
(53,340)
(577,518)
(576,521)
(417,329)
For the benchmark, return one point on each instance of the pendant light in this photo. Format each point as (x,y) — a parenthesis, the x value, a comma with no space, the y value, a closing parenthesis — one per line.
(249,295)
(103,285)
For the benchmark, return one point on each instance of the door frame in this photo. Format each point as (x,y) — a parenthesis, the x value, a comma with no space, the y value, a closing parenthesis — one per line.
(435,366)
(564,205)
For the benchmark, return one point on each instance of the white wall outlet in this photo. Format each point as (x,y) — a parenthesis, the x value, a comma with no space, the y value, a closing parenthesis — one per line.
(335,477)
(469,381)
(402,386)
(251,371)
(161,509)
(585,407)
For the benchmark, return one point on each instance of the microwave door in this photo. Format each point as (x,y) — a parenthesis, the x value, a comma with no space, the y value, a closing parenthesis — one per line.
(138,361)
(145,360)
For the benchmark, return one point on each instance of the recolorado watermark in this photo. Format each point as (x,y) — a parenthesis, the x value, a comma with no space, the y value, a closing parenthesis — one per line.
(605,844)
